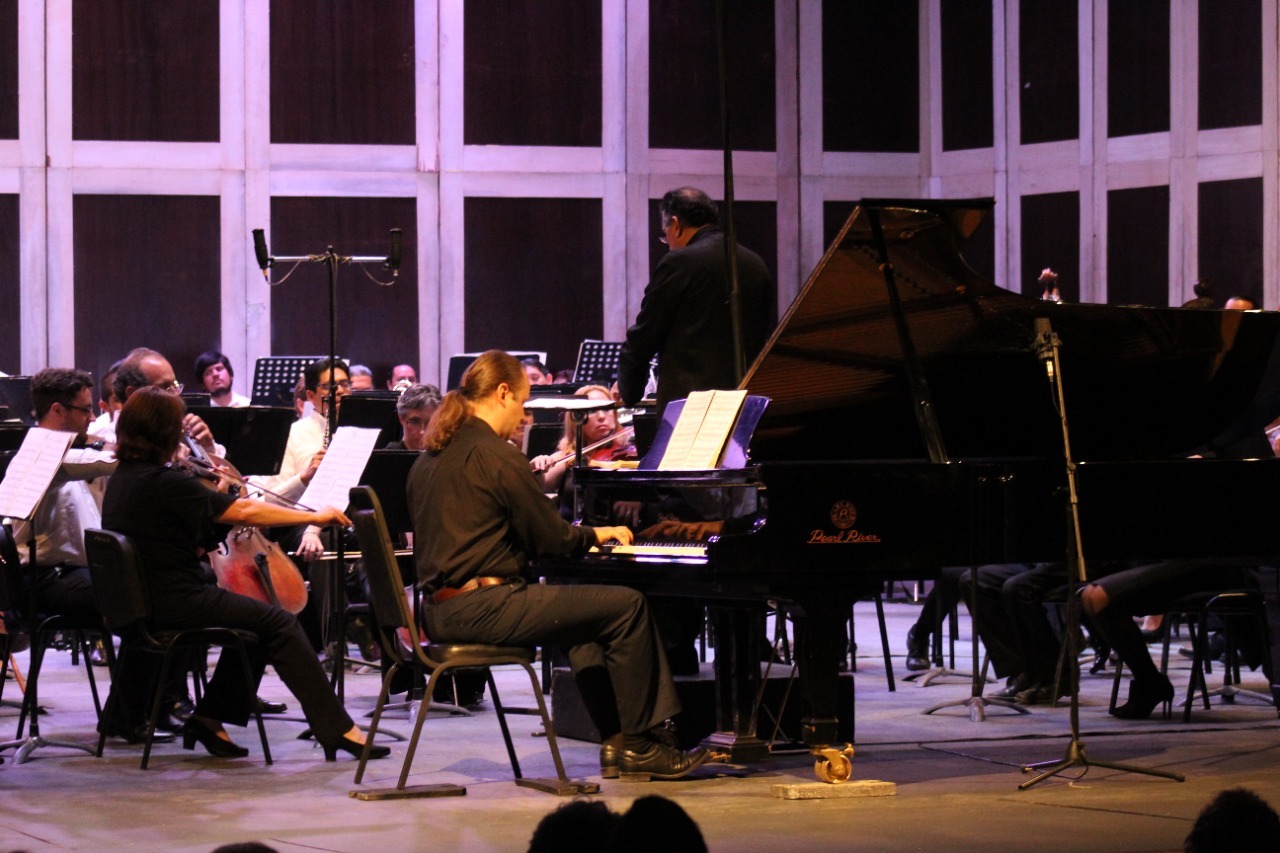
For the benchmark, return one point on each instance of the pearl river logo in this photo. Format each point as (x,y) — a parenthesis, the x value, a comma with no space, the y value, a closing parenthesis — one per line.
(844,515)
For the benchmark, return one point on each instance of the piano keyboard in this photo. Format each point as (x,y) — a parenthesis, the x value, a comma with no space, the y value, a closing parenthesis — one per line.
(661,550)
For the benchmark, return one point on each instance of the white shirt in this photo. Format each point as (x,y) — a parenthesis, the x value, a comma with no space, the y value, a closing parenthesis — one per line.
(72,505)
(306,439)
(236,401)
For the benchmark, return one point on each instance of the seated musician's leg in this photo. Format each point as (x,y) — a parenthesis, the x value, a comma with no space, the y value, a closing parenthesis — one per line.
(1023,596)
(943,597)
(994,627)
(1111,603)
(594,623)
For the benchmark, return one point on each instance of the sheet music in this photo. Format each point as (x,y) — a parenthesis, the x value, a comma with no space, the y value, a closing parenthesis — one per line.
(340,470)
(32,470)
(699,436)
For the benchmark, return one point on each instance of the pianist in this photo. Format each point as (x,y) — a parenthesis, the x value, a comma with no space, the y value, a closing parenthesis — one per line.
(478,516)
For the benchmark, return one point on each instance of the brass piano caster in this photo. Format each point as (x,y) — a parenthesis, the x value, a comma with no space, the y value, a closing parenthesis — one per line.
(834,765)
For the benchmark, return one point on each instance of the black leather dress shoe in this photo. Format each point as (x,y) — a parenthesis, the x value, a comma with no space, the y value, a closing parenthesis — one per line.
(137,734)
(609,761)
(1013,687)
(658,761)
(266,707)
(917,651)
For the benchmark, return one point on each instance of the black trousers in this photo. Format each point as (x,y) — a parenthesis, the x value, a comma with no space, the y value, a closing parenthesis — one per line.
(607,632)
(1012,620)
(282,643)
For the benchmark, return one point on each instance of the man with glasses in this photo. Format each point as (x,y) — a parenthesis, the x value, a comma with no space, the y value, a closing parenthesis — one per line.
(305,448)
(684,318)
(63,400)
(143,367)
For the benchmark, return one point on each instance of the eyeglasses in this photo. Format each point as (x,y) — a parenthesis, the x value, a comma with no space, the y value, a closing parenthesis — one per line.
(88,410)
(325,387)
(662,234)
(174,387)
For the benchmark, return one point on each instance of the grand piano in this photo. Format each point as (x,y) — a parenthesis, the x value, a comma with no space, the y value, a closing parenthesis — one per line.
(911,426)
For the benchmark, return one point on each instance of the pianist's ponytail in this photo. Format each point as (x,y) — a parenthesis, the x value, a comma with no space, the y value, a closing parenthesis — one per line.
(485,374)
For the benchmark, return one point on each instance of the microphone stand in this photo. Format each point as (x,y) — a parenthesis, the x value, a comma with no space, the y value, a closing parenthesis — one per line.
(1047,347)
(332,260)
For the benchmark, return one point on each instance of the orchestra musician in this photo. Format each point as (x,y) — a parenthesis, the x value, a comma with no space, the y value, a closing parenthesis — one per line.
(169,514)
(597,429)
(216,376)
(414,409)
(479,516)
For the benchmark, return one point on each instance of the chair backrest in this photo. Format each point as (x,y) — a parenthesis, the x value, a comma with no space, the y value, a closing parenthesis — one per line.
(117,579)
(386,587)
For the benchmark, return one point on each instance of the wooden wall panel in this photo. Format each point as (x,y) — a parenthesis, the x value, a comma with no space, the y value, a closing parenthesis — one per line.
(532,78)
(870,76)
(684,82)
(967,108)
(1050,70)
(1051,238)
(1230,238)
(533,275)
(145,70)
(147,274)
(1230,63)
(342,72)
(8,69)
(377,325)
(1138,246)
(10,296)
(1137,67)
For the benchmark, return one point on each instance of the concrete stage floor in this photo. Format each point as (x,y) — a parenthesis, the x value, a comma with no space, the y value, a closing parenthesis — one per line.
(956,778)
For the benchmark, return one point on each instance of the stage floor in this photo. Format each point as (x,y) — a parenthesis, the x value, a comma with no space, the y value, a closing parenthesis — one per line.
(956,778)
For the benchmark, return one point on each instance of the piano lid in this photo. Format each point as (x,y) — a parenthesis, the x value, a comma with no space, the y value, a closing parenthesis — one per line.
(1139,382)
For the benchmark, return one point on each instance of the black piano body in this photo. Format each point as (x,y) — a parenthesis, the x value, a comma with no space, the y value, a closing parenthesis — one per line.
(851,490)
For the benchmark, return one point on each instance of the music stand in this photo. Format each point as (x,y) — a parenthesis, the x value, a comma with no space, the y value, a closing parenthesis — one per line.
(373,409)
(255,436)
(275,376)
(597,363)
(459,363)
(387,473)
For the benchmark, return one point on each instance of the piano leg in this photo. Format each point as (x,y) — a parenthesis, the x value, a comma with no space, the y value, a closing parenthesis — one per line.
(819,648)
(737,632)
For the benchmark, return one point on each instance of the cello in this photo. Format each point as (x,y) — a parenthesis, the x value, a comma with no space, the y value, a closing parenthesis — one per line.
(247,562)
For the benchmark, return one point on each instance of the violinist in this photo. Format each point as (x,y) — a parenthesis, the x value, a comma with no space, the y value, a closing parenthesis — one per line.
(601,438)
(170,514)
(143,368)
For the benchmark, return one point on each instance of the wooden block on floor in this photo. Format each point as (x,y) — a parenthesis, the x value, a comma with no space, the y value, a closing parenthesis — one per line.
(828,791)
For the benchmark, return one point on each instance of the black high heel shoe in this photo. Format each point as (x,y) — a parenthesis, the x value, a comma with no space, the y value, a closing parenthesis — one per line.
(346,744)
(1144,696)
(193,732)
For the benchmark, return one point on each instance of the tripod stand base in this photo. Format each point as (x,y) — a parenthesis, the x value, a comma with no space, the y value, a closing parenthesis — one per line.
(1076,758)
(28,745)
(977,707)
(929,676)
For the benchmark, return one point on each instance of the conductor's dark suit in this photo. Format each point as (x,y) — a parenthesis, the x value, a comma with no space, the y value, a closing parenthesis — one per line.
(685,320)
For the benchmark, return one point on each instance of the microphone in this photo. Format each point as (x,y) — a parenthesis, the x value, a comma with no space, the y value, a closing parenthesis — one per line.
(393,259)
(260,249)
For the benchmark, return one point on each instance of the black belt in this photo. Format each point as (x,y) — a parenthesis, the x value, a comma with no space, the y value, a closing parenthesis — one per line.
(449,592)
